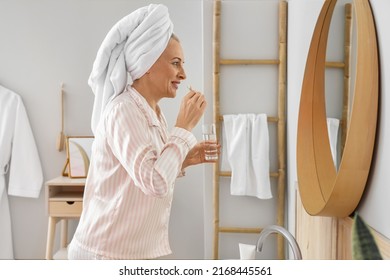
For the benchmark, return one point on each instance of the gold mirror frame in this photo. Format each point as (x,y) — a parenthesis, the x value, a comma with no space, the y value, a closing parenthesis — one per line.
(78,150)
(324,190)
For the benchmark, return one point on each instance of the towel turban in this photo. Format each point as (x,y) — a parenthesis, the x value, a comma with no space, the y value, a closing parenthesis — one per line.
(131,46)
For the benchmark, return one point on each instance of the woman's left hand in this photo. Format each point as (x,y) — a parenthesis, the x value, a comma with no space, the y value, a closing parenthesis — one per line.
(197,154)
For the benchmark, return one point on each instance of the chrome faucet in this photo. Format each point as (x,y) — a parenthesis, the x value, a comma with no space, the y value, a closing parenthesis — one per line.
(278,229)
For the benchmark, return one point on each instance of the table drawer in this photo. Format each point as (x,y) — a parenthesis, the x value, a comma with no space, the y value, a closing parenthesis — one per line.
(65,208)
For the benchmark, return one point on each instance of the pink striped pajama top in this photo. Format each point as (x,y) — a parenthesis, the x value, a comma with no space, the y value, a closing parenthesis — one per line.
(129,188)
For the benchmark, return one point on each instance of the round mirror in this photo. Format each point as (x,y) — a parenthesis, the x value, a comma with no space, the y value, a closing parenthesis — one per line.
(325,190)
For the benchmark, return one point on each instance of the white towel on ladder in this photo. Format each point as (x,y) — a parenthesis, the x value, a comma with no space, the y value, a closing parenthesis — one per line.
(333,130)
(247,147)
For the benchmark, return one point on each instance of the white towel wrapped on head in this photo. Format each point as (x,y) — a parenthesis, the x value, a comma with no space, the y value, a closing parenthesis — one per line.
(247,147)
(131,46)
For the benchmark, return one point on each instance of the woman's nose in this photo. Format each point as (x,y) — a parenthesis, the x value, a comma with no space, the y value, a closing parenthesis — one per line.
(182,74)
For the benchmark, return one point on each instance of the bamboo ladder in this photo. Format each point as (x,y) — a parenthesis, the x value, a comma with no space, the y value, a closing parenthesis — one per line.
(281,62)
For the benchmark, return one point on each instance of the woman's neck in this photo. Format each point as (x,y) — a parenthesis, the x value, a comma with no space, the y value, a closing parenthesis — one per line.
(148,94)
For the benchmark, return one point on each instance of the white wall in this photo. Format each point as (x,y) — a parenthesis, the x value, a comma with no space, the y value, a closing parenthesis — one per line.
(44,43)
(302,15)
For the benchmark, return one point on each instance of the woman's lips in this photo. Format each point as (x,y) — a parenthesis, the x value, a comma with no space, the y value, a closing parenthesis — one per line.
(175,85)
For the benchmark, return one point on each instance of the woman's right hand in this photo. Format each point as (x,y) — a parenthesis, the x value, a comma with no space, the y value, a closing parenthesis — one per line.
(192,108)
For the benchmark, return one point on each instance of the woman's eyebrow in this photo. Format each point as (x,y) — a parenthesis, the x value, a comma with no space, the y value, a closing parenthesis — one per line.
(178,58)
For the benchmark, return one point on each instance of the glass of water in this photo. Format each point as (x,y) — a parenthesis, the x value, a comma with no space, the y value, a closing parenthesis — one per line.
(210,135)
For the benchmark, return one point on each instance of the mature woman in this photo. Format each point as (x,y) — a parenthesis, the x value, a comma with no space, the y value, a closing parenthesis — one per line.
(135,159)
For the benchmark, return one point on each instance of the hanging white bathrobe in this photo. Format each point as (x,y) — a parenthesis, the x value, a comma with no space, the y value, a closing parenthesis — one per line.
(19,159)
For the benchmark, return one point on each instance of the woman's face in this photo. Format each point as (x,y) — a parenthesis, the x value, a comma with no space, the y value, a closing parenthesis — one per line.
(167,72)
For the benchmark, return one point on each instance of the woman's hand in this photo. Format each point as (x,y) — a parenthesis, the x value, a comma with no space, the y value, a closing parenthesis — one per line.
(197,154)
(191,110)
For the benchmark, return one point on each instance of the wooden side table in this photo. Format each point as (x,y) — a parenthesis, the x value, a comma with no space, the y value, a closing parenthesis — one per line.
(64,201)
